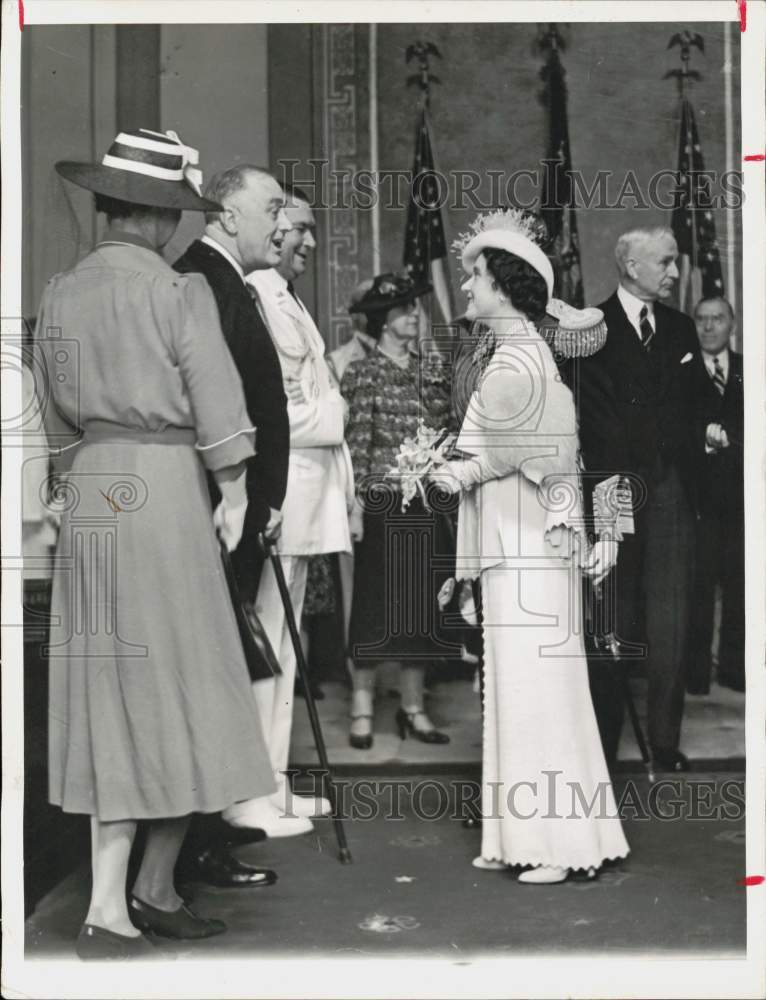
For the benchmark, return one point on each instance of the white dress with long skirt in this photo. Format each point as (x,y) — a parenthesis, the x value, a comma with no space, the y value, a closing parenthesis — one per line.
(546,794)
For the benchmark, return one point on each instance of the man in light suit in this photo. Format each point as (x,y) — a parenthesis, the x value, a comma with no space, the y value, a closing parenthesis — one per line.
(646,357)
(719,405)
(315,518)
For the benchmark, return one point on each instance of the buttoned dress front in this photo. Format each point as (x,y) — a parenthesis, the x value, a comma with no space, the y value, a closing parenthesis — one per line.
(150,707)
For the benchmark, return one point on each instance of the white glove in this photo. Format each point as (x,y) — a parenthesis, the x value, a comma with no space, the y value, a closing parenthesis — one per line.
(452,477)
(601,560)
(715,438)
(229,522)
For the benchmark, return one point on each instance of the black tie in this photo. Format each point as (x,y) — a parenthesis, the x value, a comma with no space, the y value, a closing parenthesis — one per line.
(719,379)
(291,290)
(645,326)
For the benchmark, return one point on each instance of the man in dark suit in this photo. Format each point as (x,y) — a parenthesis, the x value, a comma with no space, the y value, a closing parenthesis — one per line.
(719,423)
(245,236)
(646,356)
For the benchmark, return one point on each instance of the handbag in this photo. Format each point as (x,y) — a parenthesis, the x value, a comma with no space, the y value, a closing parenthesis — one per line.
(260,658)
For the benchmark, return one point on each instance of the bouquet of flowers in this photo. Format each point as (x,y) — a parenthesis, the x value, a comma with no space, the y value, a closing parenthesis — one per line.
(417,457)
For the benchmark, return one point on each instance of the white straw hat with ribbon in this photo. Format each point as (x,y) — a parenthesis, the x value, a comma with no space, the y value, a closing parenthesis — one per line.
(145,168)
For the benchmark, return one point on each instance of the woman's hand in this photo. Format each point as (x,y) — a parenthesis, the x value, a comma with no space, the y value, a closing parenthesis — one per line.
(446,477)
(229,520)
(294,390)
(356,522)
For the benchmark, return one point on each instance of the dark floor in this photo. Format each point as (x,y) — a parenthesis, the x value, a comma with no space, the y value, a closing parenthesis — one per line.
(411,889)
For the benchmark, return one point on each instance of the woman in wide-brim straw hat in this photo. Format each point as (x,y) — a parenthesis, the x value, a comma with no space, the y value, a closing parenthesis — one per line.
(547,801)
(151,714)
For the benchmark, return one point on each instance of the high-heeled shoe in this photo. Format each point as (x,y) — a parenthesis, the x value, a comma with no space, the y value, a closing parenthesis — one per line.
(361,741)
(182,924)
(97,944)
(405,722)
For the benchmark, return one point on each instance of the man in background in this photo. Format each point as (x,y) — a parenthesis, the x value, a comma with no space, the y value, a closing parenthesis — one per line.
(646,357)
(315,509)
(719,419)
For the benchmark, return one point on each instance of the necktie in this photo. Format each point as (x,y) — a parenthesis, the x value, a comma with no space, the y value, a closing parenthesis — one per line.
(291,290)
(646,328)
(719,379)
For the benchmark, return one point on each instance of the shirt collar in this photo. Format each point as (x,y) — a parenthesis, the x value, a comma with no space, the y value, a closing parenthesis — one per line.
(268,280)
(211,242)
(116,235)
(722,355)
(633,305)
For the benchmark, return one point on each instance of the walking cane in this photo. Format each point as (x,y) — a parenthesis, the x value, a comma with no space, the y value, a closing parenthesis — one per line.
(269,547)
(607,640)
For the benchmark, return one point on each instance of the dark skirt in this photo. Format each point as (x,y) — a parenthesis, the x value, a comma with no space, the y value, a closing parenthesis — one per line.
(399,567)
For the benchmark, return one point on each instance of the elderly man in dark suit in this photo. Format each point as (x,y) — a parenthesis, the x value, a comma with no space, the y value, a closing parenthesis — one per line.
(719,412)
(245,236)
(646,357)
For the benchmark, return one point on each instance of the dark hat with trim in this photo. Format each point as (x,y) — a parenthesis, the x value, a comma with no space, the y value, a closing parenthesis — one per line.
(389,290)
(145,168)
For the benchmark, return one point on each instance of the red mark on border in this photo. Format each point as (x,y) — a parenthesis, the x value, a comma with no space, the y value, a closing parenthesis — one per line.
(742,7)
(752,880)
(755,158)
(21,15)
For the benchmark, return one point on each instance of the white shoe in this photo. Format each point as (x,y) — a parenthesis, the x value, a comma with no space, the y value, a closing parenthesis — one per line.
(544,875)
(489,866)
(261,814)
(289,804)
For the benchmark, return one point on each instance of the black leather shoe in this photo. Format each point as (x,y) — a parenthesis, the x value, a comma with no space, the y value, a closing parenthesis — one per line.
(670,760)
(96,944)
(405,722)
(698,688)
(181,924)
(732,681)
(218,867)
(361,741)
(235,836)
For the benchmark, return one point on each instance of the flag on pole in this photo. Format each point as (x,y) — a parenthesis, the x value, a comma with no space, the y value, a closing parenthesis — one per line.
(425,248)
(557,198)
(692,220)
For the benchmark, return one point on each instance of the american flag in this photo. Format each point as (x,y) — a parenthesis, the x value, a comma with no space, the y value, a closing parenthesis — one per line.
(557,198)
(425,248)
(692,222)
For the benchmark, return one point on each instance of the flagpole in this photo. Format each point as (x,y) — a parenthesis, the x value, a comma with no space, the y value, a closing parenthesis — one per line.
(731,278)
(374,150)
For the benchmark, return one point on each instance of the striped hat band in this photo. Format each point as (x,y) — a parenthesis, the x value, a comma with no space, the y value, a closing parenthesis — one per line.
(155,154)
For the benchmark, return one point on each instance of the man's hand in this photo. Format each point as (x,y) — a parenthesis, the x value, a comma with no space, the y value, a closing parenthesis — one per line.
(601,560)
(273,528)
(716,437)
(294,390)
(229,521)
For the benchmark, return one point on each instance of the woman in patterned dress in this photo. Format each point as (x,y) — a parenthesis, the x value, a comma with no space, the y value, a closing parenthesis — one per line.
(394,604)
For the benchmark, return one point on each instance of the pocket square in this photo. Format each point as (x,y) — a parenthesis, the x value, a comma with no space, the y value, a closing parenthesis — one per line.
(687,357)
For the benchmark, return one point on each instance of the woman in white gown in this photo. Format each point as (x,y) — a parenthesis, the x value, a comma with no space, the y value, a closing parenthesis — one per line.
(547,800)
